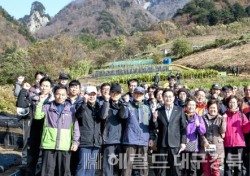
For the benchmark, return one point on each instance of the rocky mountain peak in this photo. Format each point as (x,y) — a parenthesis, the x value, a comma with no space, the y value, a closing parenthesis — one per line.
(37,7)
(37,17)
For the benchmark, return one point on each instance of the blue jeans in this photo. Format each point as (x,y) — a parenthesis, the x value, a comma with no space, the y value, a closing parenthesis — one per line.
(87,161)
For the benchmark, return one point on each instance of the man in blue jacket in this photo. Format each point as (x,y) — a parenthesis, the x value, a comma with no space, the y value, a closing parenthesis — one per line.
(136,133)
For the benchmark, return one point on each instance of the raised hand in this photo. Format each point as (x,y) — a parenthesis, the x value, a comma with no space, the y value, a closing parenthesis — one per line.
(150,143)
(26,86)
(155,116)
(42,98)
(126,98)
(197,123)
(106,97)
(224,116)
(85,98)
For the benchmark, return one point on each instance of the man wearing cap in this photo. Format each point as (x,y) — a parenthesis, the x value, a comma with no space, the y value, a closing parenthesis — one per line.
(227,91)
(215,92)
(136,133)
(90,129)
(63,79)
(112,131)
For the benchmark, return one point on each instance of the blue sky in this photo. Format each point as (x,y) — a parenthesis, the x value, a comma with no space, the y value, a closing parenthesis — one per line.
(19,8)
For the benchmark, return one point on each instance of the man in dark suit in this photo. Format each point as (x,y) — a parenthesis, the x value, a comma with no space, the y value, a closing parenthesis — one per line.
(171,124)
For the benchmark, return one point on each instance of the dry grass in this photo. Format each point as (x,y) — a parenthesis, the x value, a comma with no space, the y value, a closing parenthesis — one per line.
(236,56)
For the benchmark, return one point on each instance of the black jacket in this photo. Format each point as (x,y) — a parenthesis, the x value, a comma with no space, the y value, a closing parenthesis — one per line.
(90,125)
(172,133)
(112,129)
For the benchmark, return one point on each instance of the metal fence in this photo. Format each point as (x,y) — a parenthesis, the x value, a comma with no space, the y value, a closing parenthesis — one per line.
(131,70)
(131,63)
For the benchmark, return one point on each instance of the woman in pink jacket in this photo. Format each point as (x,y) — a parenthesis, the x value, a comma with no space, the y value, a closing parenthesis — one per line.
(234,141)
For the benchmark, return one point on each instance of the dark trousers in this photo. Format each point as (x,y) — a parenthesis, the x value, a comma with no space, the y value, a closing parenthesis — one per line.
(110,159)
(246,160)
(56,163)
(26,133)
(34,155)
(135,158)
(167,163)
(233,161)
(189,167)
(32,160)
(74,161)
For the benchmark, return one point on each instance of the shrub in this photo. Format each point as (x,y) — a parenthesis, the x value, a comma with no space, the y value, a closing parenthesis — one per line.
(79,69)
(157,58)
(14,64)
(181,47)
(7,99)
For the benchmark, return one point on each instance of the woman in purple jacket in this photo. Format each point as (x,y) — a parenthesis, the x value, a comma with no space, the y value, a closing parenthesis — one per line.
(195,128)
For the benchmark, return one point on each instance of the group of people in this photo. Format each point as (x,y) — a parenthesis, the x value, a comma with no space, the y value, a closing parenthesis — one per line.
(76,131)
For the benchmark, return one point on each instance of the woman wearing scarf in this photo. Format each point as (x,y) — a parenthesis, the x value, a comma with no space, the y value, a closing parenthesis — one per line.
(200,97)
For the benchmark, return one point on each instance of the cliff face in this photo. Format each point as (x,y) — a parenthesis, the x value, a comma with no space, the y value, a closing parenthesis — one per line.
(162,9)
(36,19)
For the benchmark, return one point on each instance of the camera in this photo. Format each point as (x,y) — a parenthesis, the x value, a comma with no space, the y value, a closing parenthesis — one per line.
(211,148)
